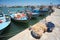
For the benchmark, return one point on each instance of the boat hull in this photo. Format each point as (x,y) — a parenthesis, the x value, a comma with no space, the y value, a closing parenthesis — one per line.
(3,26)
(1,31)
(23,21)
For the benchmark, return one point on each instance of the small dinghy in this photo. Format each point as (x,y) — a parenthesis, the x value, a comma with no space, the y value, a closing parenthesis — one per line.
(19,17)
(4,21)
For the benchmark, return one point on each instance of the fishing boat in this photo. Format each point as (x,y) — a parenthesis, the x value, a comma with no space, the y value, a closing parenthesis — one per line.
(45,10)
(4,21)
(34,13)
(19,17)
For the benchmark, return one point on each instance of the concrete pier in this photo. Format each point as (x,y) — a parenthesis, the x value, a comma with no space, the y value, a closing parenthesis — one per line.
(55,35)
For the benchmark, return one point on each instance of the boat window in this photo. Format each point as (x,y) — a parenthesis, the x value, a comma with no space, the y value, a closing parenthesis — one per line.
(1,15)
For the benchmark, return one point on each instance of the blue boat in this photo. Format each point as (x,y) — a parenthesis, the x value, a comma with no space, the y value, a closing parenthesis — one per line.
(4,21)
(45,10)
(33,13)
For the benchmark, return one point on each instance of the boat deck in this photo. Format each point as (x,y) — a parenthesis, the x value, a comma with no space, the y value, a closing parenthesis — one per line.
(55,35)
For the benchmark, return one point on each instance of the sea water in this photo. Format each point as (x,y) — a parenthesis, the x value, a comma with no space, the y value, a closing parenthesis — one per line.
(6,10)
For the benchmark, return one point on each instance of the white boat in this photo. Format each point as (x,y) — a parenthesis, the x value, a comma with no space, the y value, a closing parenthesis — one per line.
(19,17)
(4,21)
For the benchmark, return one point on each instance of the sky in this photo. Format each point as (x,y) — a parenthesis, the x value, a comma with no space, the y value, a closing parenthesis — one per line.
(28,2)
